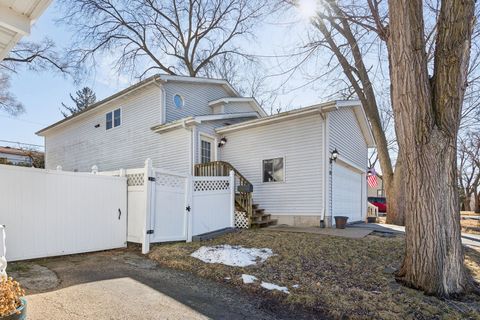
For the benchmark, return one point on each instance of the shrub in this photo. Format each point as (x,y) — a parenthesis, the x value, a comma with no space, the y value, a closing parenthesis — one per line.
(10,293)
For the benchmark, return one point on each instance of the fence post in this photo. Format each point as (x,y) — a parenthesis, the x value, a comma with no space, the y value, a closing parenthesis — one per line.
(3,253)
(232,198)
(148,207)
(189,203)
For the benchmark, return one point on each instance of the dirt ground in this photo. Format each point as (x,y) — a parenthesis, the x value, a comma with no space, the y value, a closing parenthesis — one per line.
(338,277)
(122,284)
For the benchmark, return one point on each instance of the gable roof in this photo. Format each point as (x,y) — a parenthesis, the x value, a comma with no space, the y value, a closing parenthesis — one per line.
(317,108)
(250,100)
(199,119)
(150,80)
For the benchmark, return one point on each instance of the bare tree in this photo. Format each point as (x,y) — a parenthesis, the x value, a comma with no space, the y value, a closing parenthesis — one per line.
(427,111)
(420,39)
(182,37)
(8,102)
(469,169)
(36,56)
(349,32)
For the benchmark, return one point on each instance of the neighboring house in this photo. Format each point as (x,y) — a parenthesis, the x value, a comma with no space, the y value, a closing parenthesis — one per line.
(14,156)
(379,190)
(179,122)
(16,18)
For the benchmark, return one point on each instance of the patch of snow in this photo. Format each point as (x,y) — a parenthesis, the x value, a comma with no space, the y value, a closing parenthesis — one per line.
(227,278)
(295,286)
(248,278)
(271,286)
(235,256)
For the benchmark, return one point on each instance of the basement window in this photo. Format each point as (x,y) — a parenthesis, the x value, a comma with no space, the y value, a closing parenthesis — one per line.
(113,119)
(273,170)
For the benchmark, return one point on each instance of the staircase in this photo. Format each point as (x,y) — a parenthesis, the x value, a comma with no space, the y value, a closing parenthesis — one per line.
(243,192)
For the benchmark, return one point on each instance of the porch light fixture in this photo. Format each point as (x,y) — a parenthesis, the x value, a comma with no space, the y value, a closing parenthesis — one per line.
(334,155)
(222,142)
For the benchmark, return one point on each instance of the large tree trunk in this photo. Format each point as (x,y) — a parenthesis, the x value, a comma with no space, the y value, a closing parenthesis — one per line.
(467,203)
(427,116)
(395,192)
(477,202)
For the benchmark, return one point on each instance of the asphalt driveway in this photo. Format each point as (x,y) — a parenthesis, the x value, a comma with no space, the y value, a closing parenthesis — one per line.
(121,284)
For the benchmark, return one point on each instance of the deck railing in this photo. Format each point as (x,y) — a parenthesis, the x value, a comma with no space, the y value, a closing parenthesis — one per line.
(243,187)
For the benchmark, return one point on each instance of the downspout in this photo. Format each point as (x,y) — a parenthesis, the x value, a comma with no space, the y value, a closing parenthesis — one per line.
(163,102)
(326,170)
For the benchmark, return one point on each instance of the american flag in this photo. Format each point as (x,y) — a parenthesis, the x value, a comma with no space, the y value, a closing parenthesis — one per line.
(372,178)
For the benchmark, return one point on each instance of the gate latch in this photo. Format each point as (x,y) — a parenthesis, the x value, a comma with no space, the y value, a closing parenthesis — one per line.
(151,178)
(188,208)
(149,231)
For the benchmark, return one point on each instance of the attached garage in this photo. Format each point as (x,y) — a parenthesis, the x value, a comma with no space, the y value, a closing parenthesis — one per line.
(347,185)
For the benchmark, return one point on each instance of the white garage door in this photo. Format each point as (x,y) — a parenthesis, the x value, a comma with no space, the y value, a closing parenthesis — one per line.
(346,193)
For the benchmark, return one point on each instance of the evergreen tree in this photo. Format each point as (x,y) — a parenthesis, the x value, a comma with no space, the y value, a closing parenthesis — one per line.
(83,99)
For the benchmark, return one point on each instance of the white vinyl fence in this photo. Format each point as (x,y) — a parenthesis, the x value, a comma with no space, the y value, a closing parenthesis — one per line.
(169,206)
(49,213)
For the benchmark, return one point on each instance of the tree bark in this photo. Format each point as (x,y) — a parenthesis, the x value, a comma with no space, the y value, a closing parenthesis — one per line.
(477,202)
(427,116)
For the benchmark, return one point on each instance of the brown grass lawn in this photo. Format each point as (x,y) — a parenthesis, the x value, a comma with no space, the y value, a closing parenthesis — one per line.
(338,277)
(470,226)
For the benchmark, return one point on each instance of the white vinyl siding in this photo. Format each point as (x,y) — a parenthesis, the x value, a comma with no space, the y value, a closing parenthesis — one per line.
(299,142)
(79,145)
(238,107)
(196,98)
(347,137)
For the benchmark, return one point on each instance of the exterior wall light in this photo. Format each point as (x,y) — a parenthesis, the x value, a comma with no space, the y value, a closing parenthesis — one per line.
(334,155)
(222,142)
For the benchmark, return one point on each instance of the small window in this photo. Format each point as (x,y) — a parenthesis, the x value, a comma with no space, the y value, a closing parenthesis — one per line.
(273,170)
(206,152)
(113,119)
(178,100)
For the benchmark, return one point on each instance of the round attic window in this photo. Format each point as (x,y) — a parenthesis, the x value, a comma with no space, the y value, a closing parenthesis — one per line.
(178,101)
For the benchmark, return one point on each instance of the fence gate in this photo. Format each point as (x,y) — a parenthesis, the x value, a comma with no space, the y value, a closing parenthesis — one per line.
(169,206)
(211,196)
(169,221)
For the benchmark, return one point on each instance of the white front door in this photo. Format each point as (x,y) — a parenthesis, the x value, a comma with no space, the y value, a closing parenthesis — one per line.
(346,192)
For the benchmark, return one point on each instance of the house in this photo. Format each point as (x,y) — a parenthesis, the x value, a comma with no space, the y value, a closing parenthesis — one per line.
(182,122)
(16,18)
(379,190)
(9,155)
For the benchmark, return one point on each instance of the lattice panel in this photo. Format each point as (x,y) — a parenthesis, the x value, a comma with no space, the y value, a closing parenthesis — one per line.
(135,179)
(215,185)
(169,181)
(241,220)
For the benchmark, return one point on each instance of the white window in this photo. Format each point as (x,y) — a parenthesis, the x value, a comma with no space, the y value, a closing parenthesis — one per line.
(178,101)
(113,119)
(273,170)
(205,151)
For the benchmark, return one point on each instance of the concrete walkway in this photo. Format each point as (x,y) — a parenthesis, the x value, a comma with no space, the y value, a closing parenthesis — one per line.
(467,239)
(121,284)
(352,233)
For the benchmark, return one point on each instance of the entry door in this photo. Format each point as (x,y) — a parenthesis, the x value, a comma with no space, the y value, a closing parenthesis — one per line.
(346,192)
(207,149)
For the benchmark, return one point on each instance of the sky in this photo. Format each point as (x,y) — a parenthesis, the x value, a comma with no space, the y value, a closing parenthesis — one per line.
(42,93)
